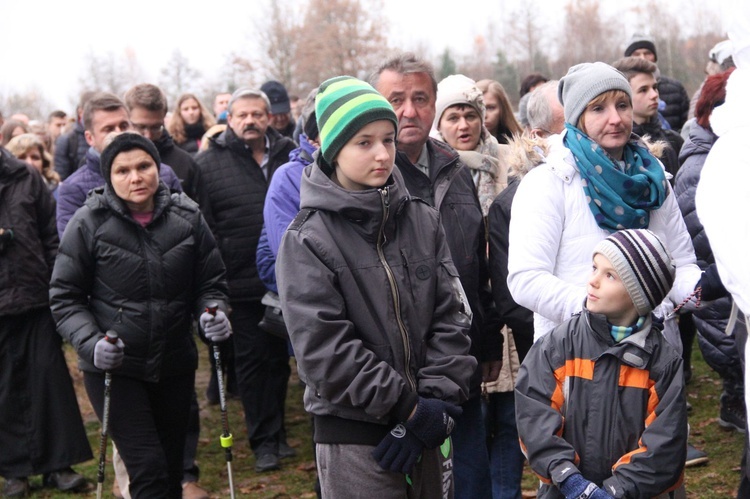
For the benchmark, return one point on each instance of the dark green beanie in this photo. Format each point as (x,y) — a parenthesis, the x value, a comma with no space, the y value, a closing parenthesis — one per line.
(343,106)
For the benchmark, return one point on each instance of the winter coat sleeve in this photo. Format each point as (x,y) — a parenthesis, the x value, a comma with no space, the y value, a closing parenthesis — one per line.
(70,197)
(72,281)
(448,366)
(536,229)
(539,413)
(641,472)
(62,161)
(45,215)
(168,176)
(281,205)
(266,262)
(518,318)
(210,273)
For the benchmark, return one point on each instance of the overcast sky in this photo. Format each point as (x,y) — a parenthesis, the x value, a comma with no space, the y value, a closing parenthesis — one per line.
(44,44)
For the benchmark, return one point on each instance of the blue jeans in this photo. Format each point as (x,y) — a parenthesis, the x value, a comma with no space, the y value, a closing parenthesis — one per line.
(506,458)
(471,463)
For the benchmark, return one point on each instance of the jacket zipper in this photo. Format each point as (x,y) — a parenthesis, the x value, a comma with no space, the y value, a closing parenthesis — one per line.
(394,289)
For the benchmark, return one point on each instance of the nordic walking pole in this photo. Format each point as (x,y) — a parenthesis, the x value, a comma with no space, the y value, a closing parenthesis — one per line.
(111,337)
(226,437)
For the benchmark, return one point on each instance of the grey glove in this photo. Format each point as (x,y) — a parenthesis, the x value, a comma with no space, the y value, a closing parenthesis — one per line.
(108,356)
(216,327)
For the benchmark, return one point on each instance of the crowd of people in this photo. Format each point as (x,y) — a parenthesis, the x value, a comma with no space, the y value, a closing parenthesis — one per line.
(463,288)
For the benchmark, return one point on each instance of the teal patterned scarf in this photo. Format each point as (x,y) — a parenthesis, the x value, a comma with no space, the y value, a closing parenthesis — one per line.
(619,197)
(619,333)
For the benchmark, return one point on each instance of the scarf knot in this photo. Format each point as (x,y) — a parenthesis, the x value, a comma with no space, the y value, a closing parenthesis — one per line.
(621,195)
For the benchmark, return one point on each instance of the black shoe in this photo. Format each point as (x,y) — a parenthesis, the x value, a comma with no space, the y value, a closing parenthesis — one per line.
(267,462)
(16,487)
(695,457)
(64,480)
(285,451)
(732,414)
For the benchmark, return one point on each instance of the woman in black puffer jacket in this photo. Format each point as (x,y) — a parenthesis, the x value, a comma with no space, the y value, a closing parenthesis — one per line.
(141,261)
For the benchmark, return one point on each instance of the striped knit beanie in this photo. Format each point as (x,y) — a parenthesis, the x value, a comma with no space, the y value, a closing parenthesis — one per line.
(343,106)
(643,263)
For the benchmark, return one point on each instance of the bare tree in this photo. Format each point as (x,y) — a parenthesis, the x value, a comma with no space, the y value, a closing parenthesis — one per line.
(339,37)
(478,64)
(279,36)
(586,36)
(31,103)
(178,77)
(110,72)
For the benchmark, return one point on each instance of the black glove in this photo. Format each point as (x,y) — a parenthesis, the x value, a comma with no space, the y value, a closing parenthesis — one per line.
(433,421)
(398,451)
(6,237)
(711,285)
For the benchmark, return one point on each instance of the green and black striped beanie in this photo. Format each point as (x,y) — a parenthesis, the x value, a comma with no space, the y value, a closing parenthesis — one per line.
(343,106)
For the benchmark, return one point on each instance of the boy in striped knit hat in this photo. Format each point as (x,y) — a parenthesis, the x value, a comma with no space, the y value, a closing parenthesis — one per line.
(600,402)
(375,310)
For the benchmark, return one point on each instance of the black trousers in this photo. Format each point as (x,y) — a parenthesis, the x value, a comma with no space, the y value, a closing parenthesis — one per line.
(148,422)
(261,363)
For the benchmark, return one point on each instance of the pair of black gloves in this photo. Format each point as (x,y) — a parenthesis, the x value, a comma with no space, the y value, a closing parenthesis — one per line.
(433,420)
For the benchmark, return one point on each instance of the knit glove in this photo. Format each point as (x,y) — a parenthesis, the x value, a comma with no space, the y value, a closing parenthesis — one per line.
(108,356)
(216,327)
(711,285)
(433,421)
(398,451)
(577,487)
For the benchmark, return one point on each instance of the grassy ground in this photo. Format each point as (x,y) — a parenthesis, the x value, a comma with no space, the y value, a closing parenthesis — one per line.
(718,479)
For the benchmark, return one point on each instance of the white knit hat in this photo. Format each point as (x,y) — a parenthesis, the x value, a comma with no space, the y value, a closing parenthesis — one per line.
(457,89)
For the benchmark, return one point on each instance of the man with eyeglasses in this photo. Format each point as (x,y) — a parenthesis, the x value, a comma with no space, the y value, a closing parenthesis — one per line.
(103,114)
(148,109)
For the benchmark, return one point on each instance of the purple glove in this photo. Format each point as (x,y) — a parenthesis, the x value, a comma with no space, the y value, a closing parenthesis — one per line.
(108,356)
(215,327)
(433,421)
(398,451)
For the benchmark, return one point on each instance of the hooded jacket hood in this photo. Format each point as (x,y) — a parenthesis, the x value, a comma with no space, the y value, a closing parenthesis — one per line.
(364,208)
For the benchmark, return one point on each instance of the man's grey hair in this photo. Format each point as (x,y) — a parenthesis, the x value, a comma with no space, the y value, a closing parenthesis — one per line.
(248,93)
(405,63)
(538,110)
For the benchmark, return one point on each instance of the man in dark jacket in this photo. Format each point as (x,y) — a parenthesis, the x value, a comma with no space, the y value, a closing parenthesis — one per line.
(235,171)
(147,105)
(71,147)
(103,114)
(640,73)
(41,430)
(433,172)
(671,91)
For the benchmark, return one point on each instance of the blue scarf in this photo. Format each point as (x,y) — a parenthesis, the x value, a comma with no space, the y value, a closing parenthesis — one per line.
(619,197)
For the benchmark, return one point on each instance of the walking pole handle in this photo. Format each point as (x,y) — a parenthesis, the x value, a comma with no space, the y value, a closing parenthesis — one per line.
(111,336)
(212,307)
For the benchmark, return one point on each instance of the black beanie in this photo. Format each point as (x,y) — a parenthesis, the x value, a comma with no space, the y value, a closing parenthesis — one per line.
(639,41)
(126,141)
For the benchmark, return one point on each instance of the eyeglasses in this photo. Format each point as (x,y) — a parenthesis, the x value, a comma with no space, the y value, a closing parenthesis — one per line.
(153,130)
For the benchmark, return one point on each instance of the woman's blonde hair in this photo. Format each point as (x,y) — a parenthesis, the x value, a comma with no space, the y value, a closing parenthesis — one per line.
(176,125)
(23,143)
